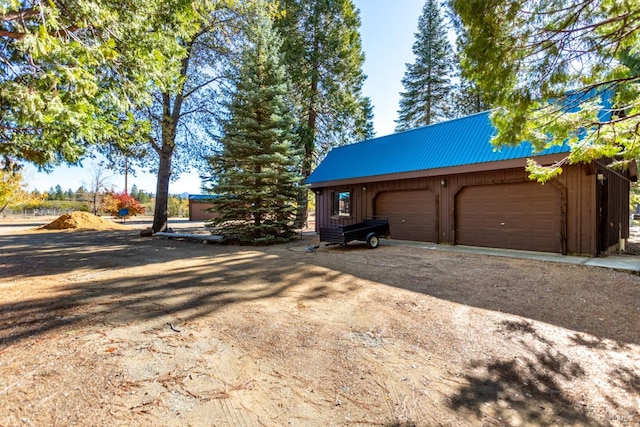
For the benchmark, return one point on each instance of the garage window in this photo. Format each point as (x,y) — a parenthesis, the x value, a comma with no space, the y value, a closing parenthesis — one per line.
(342,203)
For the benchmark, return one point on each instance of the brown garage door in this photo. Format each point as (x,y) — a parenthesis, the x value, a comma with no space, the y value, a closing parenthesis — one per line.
(517,216)
(412,214)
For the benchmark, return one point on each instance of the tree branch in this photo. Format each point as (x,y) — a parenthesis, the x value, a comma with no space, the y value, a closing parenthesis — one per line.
(154,145)
(618,120)
(15,35)
(200,86)
(12,34)
(19,14)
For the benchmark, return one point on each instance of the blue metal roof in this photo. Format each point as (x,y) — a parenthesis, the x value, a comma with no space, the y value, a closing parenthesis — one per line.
(203,196)
(458,142)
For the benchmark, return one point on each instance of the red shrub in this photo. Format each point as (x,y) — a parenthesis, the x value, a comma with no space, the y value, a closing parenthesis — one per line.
(122,205)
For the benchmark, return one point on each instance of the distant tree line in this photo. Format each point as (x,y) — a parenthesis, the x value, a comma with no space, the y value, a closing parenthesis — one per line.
(82,194)
(57,201)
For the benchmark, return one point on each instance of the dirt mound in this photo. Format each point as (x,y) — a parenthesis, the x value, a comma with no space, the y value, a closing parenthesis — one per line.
(82,221)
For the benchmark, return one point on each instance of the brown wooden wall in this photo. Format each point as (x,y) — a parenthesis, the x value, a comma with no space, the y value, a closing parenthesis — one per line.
(198,211)
(577,186)
(616,206)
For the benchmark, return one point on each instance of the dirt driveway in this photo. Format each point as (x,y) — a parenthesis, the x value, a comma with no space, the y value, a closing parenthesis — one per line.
(108,328)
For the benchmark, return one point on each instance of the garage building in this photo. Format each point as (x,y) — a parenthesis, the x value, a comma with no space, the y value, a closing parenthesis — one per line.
(445,183)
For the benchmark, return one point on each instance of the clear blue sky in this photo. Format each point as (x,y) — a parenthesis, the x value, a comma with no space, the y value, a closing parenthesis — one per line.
(387,31)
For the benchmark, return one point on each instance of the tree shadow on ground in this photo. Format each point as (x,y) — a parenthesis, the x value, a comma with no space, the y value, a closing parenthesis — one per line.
(527,288)
(180,281)
(531,388)
(194,287)
(534,386)
(31,254)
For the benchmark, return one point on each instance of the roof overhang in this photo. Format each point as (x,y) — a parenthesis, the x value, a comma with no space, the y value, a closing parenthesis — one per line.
(630,173)
(454,170)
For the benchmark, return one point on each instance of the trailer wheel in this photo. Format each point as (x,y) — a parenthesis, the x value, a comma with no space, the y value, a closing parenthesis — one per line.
(372,240)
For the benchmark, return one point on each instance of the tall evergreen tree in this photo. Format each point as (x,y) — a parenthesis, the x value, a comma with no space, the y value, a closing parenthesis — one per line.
(427,82)
(254,175)
(467,97)
(59,194)
(135,192)
(324,59)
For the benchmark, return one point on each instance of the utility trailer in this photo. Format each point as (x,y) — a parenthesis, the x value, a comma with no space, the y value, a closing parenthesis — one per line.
(368,231)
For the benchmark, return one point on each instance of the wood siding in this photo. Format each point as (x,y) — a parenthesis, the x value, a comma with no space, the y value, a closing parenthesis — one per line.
(576,188)
(615,219)
(198,211)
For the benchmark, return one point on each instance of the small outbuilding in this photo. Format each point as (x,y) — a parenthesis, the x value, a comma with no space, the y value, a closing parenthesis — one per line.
(199,205)
(446,183)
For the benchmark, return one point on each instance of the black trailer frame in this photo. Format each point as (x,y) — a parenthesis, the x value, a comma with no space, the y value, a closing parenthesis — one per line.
(368,231)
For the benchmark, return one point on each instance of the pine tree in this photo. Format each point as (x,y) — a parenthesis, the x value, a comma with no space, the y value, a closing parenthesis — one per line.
(324,59)
(59,194)
(467,97)
(254,175)
(427,82)
(135,193)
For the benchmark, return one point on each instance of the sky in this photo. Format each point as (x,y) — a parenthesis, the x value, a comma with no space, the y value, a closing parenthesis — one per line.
(387,37)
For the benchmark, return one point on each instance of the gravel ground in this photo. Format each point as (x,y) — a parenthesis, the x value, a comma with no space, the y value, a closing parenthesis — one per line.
(109,328)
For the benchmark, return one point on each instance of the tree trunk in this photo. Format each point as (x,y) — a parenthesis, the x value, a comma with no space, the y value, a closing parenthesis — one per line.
(165,154)
(160,214)
(309,135)
(169,128)
(309,142)
(95,203)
